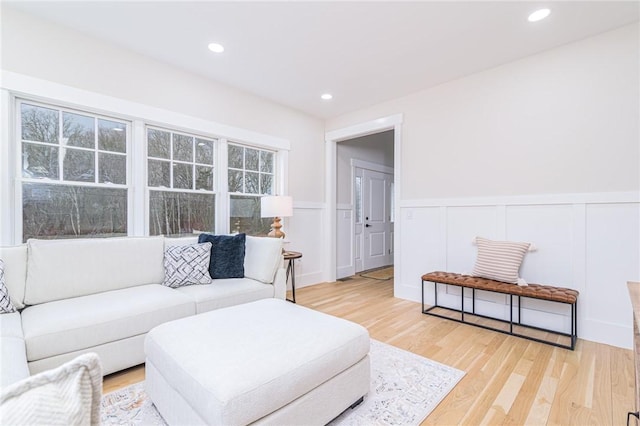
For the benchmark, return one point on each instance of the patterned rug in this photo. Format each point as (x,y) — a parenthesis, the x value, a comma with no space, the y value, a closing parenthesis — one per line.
(405,388)
(379,274)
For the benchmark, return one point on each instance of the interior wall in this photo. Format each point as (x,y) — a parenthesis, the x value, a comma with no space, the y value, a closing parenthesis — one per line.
(544,149)
(562,121)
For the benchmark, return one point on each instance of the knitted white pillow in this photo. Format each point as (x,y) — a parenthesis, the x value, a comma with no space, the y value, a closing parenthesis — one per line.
(500,260)
(67,395)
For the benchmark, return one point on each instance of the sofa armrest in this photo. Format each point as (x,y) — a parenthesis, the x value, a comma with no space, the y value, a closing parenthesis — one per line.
(280,284)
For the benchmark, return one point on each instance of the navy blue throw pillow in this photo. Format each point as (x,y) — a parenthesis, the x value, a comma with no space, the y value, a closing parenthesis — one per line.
(227,255)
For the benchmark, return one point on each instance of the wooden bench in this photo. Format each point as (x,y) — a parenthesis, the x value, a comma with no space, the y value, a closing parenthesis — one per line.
(532,291)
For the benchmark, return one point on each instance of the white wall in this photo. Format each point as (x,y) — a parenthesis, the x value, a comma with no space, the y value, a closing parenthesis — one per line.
(544,149)
(41,49)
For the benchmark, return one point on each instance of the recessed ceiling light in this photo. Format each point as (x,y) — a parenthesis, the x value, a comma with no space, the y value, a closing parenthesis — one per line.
(539,15)
(216,47)
(327,96)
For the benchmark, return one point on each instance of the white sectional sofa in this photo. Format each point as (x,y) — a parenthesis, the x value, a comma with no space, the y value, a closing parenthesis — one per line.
(103,295)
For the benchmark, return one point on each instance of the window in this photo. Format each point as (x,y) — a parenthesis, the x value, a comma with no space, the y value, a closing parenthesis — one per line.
(73,173)
(180,177)
(250,175)
(89,171)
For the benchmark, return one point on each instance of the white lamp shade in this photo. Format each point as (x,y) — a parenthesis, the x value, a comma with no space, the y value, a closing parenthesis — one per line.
(276,206)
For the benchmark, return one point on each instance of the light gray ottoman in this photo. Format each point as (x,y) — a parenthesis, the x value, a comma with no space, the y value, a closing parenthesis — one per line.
(266,362)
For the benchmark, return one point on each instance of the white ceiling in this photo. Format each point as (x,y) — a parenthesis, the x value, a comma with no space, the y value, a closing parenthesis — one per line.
(361,52)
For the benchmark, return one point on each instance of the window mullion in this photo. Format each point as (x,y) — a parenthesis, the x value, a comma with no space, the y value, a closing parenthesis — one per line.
(221,168)
(62,150)
(137,172)
(8,185)
(96,176)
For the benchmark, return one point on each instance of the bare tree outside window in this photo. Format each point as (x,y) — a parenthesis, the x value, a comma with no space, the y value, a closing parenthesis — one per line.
(175,213)
(66,211)
(63,146)
(180,175)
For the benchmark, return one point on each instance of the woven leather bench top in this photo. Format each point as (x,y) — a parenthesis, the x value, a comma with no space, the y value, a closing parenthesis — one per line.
(535,291)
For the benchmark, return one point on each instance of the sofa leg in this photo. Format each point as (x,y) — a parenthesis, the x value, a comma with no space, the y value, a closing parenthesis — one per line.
(358,402)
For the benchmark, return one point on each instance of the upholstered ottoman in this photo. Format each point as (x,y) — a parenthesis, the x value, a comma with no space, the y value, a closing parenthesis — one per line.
(265,362)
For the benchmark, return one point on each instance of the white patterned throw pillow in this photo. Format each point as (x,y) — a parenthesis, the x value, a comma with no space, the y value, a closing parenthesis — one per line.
(66,395)
(6,307)
(500,260)
(187,265)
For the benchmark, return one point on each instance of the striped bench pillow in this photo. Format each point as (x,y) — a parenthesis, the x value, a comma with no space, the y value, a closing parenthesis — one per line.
(500,260)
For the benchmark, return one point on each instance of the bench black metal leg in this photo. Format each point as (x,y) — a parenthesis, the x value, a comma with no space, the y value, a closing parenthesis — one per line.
(462,302)
(473,301)
(511,313)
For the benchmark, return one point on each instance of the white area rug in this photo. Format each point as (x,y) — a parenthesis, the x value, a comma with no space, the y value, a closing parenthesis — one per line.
(405,388)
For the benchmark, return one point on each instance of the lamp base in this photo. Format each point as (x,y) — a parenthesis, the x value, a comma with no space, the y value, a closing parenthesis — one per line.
(275,229)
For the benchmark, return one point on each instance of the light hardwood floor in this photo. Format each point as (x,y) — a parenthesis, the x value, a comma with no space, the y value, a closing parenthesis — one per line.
(508,380)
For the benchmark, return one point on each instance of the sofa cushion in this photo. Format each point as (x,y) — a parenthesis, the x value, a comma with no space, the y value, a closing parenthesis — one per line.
(13,360)
(263,256)
(227,255)
(11,325)
(187,265)
(6,307)
(227,292)
(15,272)
(13,356)
(61,269)
(83,322)
(68,395)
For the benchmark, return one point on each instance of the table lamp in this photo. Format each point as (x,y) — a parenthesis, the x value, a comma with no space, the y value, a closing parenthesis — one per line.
(276,206)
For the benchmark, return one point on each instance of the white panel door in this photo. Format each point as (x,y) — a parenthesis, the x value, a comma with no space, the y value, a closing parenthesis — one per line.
(377,230)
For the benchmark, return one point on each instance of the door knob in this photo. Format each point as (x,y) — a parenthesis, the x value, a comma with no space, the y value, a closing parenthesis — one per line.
(367,225)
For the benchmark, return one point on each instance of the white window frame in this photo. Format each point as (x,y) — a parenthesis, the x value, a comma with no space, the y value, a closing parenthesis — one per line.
(19,180)
(148,189)
(14,85)
(275,174)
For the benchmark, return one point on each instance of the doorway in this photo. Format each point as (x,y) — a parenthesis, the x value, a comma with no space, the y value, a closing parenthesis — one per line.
(332,139)
(364,218)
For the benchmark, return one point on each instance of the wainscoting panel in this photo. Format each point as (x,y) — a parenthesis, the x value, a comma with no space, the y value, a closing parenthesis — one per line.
(463,225)
(420,240)
(612,257)
(305,230)
(589,242)
(345,266)
(549,228)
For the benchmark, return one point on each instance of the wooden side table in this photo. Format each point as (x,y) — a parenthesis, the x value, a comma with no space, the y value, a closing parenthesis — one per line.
(291,256)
